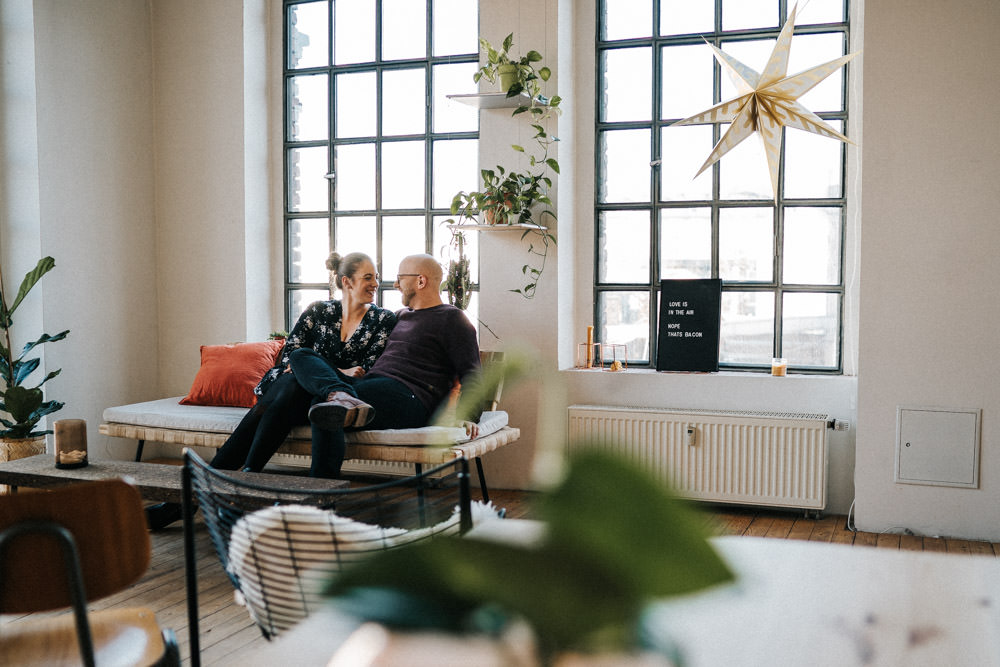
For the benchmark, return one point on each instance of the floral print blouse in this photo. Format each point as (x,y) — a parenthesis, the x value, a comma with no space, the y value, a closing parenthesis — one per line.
(319,328)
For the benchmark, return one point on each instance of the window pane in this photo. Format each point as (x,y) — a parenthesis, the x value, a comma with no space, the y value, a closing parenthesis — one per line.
(684,149)
(686,243)
(743,171)
(401,236)
(299,299)
(404,29)
(627,94)
(443,249)
(747,330)
(456,169)
(810,328)
(624,156)
(623,239)
(355,169)
(403,174)
(308,248)
(356,105)
(356,234)
(456,27)
(812,246)
(821,11)
(687,80)
(807,52)
(623,19)
(813,164)
(743,14)
(307,108)
(681,17)
(308,30)
(746,244)
(308,189)
(403,105)
(449,115)
(624,318)
(354,31)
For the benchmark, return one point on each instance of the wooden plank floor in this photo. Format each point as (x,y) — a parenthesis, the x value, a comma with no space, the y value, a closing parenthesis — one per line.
(227,634)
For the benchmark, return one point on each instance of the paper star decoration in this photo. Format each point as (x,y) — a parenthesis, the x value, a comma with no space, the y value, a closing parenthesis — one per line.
(766,102)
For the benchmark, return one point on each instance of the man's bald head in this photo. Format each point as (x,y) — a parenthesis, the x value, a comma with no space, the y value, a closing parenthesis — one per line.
(419,281)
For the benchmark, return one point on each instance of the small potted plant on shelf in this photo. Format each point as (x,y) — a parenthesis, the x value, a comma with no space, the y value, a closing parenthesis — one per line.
(24,406)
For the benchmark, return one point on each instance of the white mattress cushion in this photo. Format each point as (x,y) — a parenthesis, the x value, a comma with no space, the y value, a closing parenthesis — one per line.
(168,413)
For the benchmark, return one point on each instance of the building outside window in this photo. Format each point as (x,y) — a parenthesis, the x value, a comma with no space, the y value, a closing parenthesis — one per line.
(374,150)
(781,262)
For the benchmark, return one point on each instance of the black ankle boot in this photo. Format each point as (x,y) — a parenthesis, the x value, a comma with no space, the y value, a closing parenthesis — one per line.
(161,515)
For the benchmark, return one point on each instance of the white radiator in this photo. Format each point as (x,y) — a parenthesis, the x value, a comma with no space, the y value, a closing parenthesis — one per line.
(752,458)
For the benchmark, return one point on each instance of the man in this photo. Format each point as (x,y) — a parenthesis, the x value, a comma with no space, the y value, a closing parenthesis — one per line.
(432,345)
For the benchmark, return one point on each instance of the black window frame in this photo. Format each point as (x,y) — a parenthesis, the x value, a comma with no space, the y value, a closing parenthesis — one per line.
(776,286)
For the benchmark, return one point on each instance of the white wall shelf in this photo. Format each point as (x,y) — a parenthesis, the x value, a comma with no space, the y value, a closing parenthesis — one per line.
(498,228)
(492,100)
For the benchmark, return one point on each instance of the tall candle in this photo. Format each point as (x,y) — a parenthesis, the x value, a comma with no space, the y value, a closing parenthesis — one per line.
(590,347)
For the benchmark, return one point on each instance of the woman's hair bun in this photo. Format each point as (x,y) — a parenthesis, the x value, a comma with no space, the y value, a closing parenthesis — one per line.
(333,262)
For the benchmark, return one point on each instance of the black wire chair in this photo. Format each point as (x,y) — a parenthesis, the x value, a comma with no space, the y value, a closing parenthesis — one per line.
(278,545)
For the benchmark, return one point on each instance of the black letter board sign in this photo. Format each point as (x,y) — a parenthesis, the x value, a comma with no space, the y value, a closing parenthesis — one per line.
(688,338)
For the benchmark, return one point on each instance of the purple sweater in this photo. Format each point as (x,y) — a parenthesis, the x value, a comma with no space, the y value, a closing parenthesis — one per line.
(428,350)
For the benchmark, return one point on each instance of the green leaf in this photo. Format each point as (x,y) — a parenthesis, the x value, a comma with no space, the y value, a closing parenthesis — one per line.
(554,101)
(544,73)
(21,402)
(533,56)
(519,149)
(553,164)
(671,559)
(22,369)
(45,338)
(508,41)
(519,110)
(44,265)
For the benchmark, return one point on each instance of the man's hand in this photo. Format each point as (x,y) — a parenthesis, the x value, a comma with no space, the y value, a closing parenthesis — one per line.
(471,429)
(353,371)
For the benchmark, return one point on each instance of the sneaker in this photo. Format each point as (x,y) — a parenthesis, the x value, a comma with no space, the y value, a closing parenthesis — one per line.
(341,410)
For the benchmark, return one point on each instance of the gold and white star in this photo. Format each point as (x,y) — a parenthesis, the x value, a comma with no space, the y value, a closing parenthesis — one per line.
(766,102)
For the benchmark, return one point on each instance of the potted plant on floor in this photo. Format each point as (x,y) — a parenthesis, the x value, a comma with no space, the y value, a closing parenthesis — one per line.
(23,406)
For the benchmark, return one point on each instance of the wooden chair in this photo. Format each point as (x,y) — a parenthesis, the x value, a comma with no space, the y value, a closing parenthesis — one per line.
(65,548)
(279,545)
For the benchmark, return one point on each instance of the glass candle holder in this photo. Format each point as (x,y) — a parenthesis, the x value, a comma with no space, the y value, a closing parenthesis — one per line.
(779,367)
(70,443)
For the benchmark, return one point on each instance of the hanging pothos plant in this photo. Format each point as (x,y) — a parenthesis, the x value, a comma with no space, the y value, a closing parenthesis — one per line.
(507,196)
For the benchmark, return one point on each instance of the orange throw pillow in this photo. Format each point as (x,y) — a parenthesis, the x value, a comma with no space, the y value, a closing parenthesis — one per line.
(229,373)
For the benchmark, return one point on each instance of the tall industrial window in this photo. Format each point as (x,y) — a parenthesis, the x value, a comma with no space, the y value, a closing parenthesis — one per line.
(781,262)
(374,150)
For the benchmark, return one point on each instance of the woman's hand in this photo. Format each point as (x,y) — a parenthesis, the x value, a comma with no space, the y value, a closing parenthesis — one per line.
(471,429)
(353,371)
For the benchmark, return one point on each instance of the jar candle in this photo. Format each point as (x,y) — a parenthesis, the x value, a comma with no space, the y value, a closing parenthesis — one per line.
(779,367)
(70,443)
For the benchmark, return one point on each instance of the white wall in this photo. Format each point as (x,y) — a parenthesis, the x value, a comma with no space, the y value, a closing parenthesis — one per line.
(928,260)
(94,124)
(211,205)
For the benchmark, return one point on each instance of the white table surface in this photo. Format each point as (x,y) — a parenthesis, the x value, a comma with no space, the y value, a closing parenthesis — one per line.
(795,603)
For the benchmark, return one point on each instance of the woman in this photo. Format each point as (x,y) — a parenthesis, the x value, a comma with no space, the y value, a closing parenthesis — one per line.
(349,334)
